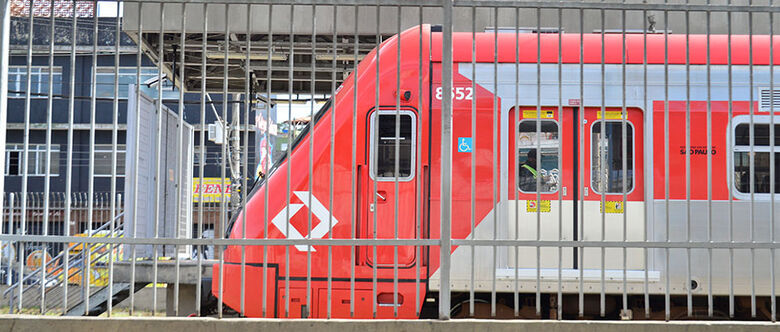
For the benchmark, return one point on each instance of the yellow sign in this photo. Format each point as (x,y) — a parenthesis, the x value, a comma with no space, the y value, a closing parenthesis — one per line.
(610,115)
(530,206)
(613,207)
(531,114)
(213,189)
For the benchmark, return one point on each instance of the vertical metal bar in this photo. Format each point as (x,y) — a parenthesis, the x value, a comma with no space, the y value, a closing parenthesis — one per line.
(581,163)
(202,166)
(114,142)
(266,161)
(446,162)
(5,36)
(311,155)
(375,143)
(562,174)
(11,211)
(69,163)
(603,170)
(772,156)
(647,142)
(667,300)
(223,214)
(47,165)
(91,176)
(752,170)
(420,178)
(538,158)
(25,157)
(332,163)
(21,259)
(473,154)
(730,174)
(624,154)
(179,158)
(248,105)
(494,151)
(514,128)
(396,161)
(353,170)
(138,60)
(158,155)
(83,269)
(710,309)
(689,296)
(289,163)
(5,23)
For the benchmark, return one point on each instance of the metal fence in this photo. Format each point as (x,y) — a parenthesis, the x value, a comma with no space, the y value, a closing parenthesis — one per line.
(409,159)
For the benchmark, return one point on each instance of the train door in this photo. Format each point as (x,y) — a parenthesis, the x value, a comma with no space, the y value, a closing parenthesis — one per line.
(391,203)
(607,214)
(547,213)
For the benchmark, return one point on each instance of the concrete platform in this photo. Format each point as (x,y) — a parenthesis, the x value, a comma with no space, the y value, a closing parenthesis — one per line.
(166,271)
(146,324)
(188,277)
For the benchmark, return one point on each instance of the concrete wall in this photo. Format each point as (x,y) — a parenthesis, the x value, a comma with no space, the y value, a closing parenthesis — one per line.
(143,298)
(37,324)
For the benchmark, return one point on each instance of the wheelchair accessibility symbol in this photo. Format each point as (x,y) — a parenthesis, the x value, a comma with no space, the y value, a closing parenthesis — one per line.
(464,144)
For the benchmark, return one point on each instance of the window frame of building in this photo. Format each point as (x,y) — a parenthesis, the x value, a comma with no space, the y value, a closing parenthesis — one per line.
(39,89)
(36,152)
(168,91)
(108,149)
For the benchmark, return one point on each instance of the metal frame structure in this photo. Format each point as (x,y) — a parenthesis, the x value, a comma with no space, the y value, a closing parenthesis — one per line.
(217,48)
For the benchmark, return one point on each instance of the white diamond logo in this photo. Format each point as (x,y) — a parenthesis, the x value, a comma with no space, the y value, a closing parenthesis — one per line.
(282,219)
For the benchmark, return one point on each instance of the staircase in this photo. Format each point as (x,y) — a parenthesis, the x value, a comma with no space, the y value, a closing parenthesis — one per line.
(78,302)
(98,302)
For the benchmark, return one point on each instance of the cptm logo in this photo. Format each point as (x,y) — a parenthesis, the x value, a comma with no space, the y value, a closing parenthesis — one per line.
(282,219)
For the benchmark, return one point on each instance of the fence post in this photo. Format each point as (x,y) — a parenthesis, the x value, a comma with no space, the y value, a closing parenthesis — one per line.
(9,277)
(446,163)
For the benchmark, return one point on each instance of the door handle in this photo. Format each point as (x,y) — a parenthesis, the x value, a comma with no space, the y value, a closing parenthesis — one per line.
(372,206)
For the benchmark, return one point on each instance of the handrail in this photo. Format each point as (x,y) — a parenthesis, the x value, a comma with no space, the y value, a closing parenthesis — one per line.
(59,282)
(76,260)
(34,272)
(77,272)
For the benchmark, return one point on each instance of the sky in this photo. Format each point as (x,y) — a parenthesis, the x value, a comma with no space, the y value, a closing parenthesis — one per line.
(108,9)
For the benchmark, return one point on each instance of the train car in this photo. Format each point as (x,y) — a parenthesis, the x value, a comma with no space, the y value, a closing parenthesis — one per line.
(637,137)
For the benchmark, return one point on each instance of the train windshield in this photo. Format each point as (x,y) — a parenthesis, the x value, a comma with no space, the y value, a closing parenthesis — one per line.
(296,141)
(259,180)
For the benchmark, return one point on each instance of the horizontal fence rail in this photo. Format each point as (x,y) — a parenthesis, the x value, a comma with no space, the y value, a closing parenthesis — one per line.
(390,159)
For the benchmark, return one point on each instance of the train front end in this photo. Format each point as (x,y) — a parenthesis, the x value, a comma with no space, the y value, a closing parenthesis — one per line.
(319,191)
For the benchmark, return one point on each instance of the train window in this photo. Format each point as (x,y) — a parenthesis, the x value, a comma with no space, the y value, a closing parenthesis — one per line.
(384,140)
(607,157)
(547,167)
(760,134)
(761,159)
(760,172)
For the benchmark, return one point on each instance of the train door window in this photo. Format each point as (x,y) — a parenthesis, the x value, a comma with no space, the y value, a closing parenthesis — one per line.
(547,166)
(761,158)
(607,157)
(392,129)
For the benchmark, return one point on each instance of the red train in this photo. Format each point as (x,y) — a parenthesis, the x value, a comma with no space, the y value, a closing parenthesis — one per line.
(685,98)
